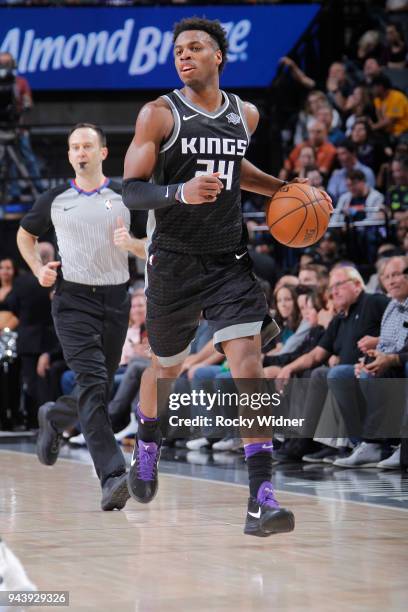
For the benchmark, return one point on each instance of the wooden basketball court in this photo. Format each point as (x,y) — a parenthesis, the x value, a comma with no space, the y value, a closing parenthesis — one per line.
(186,550)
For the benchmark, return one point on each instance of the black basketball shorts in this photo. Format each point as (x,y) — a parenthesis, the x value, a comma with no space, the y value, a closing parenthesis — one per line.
(179,287)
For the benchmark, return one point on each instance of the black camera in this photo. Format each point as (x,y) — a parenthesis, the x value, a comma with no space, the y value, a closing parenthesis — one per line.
(9,114)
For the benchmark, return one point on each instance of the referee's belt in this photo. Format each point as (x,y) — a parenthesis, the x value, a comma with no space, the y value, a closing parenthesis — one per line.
(68,287)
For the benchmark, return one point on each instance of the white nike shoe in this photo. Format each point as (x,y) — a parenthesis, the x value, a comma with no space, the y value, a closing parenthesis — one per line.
(78,440)
(393,462)
(366,454)
(12,574)
(227,444)
(129,430)
(197,443)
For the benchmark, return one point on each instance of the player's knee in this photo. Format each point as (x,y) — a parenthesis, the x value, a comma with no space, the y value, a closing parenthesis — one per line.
(170,371)
(162,371)
(247,364)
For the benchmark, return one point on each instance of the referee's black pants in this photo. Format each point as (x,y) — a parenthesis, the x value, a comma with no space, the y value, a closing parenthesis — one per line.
(91,325)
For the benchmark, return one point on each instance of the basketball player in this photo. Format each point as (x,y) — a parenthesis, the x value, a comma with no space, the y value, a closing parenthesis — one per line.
(90,307)
(192,142)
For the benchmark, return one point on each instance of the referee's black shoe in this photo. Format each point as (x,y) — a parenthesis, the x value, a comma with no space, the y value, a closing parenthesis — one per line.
(270,329)
(142,478)
(265,516)
(115,493)
(49,438)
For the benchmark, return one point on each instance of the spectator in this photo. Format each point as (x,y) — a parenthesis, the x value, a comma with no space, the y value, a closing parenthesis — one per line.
(297,73)
(395,53)
(369,152)
(392,339)
(50,367)
(31,304)
(287,314)
(358,197)
(359,106)
(374,284)
(314,101)
(313,305)
(359,315)
(384,177)
(325,152)
(306,160)
(287,279)
(372,69)
(361,203)
(391,106)
(315,177)
(328,249)
(338,86)
(133,362)
(325,116)
(314,276)
(396,6)
(8,274)
(308,276)
(347,156)
(396,197)
(23,104)
(369,46)
(401,230)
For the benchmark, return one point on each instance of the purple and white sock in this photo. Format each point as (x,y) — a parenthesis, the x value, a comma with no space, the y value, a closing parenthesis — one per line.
(143,418)
(258,447)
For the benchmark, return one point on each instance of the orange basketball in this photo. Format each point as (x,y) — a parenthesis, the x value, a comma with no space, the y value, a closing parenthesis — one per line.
(298,215)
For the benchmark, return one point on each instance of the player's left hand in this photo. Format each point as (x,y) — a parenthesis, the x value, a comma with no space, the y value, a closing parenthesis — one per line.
(121,237)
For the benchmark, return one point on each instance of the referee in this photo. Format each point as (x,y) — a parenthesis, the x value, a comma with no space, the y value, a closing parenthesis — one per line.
(91,303)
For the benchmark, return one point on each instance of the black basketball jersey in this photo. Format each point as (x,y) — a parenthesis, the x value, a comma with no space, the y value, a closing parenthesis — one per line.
(202,143)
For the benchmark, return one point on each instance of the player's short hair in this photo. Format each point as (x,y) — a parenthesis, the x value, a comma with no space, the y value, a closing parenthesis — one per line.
(91,126)
(213,29)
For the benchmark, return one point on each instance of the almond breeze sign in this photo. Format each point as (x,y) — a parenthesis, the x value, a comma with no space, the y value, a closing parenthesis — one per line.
(131,48)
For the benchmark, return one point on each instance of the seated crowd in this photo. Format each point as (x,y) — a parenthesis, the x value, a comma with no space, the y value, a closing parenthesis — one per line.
(339,339)
(356,120)
(342,305)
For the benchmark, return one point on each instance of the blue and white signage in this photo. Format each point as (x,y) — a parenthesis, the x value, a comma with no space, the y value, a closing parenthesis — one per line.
(131,48)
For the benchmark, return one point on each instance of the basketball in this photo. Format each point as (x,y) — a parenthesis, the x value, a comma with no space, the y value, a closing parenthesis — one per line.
(298,215)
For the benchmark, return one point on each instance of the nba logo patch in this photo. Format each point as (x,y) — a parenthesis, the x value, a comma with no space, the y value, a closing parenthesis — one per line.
(108,205)
(233,118)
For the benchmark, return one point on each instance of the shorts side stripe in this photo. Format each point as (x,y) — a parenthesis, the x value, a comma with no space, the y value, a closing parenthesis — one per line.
(239,330)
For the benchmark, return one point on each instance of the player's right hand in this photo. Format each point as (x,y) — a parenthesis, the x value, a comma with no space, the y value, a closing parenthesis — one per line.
(203,189)
(48,274)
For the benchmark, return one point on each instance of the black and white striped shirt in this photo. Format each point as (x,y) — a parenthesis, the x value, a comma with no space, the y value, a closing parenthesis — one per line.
(84,224)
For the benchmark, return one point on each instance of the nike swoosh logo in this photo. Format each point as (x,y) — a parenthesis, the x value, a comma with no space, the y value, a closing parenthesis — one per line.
(167,192)
(240,256)
(190,117)
(133,461)
(255,514)
(69,208)
(267,445)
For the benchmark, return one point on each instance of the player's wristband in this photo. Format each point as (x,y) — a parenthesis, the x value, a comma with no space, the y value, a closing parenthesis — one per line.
(180,194)
(143,195)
